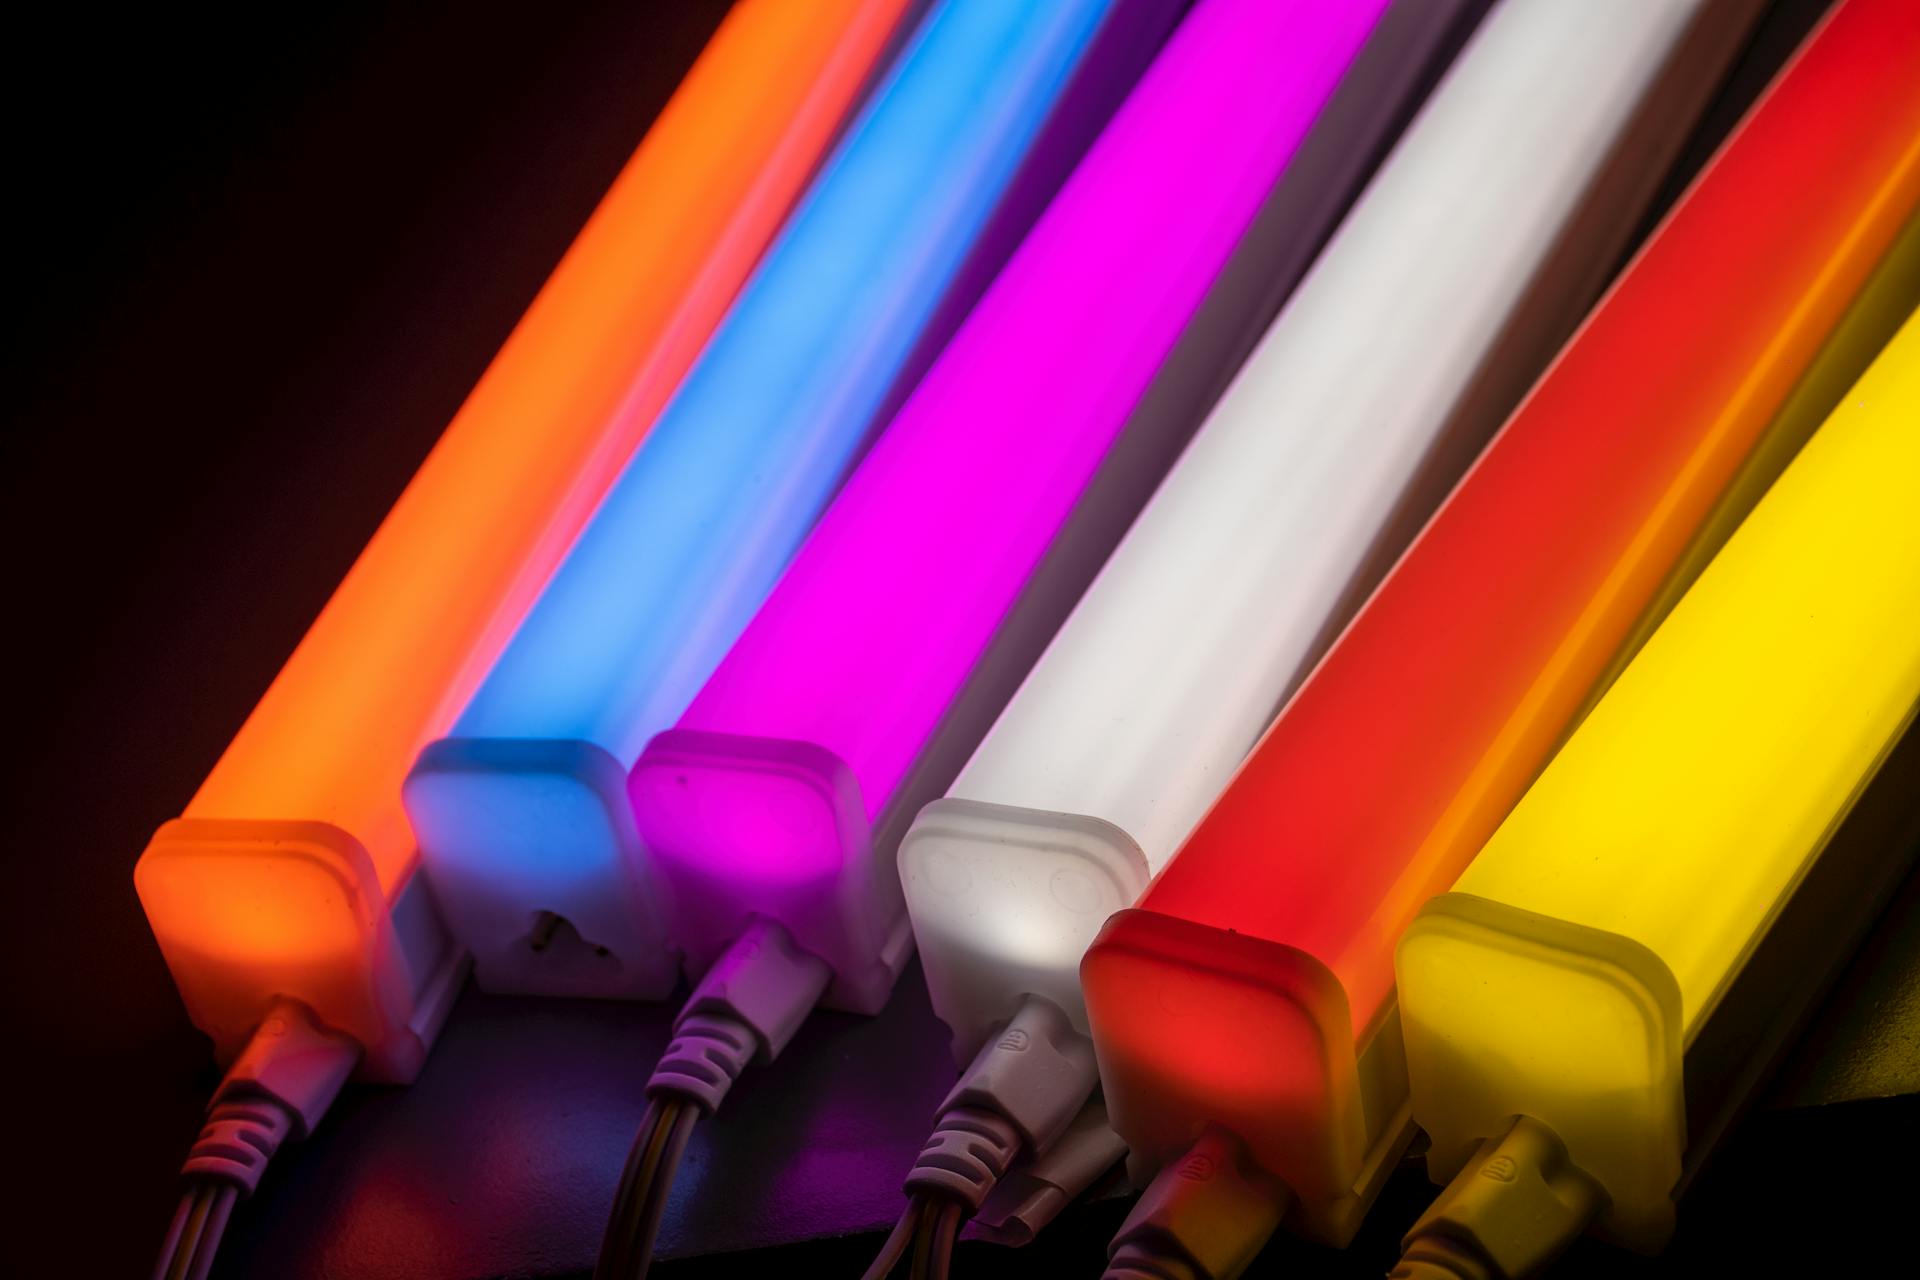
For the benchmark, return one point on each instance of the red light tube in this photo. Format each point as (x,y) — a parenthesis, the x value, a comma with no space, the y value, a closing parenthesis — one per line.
(1252,991)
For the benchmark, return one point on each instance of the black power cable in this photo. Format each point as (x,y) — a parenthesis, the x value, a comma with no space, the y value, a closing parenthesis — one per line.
(945,1233)
(175,1231)
(636,1182)
(194,1236)
(898,1241)
(652,1209)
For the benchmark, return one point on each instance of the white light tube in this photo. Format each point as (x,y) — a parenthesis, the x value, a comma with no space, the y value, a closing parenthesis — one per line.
(1467,261)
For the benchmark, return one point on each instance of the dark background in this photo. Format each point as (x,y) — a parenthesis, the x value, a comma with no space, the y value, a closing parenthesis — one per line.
(259,260)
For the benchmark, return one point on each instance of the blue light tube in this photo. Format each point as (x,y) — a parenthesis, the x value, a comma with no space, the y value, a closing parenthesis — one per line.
(522,813)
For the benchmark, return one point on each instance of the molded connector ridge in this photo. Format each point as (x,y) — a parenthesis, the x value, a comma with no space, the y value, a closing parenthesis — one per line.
(707,1054)
(1020,1093)
(1205,1217)
(747,1007)
(1438,1258)
(237,1140)
(1507,1214)
(1033,1192)
(278,1087)
(967,1154)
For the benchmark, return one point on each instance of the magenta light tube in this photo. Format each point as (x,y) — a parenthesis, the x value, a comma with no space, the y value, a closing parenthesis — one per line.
(767,796)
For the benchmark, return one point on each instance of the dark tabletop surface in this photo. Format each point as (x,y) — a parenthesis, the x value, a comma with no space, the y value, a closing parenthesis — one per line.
(264,259)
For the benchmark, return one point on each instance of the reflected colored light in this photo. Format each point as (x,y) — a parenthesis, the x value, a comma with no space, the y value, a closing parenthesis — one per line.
(432,599)
(522,809)
(1420,729)
(1657,849)
(764,796)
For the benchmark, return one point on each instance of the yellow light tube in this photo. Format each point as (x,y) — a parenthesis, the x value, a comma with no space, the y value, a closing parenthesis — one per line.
(289,873)
(1585,947)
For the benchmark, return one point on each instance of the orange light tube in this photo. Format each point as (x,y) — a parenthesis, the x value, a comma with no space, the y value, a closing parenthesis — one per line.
(291,872)
(1253,989)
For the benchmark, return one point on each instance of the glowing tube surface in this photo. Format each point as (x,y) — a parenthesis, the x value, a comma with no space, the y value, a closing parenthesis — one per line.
(523,809)
(762,799)
(1252,989)
(1468,260)
(295,853)
(1595,933)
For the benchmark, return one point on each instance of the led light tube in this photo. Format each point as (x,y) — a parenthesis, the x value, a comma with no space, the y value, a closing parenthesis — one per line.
(1465,264)
(830,710)
(1603,923)
(1252,988)
(1890,295)
(522,812)
(292,872)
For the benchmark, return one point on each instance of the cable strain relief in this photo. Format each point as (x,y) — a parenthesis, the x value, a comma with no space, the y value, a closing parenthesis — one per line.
(747,1006)
(967,1153)
(1204,1217)
(707,1054)
(278,1088)
(1438,1258)
(1507,1214)
(1136,1260)
(237,1140)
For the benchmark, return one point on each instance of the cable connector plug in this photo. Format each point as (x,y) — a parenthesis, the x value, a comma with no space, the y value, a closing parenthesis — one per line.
(278,1088)
(1507,1214)
(1020,1092)
(1034,1191)
(965,1156)
(747,1007)
(1205,1217)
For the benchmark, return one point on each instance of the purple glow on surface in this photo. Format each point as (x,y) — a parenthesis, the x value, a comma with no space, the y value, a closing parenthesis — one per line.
(877,624)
